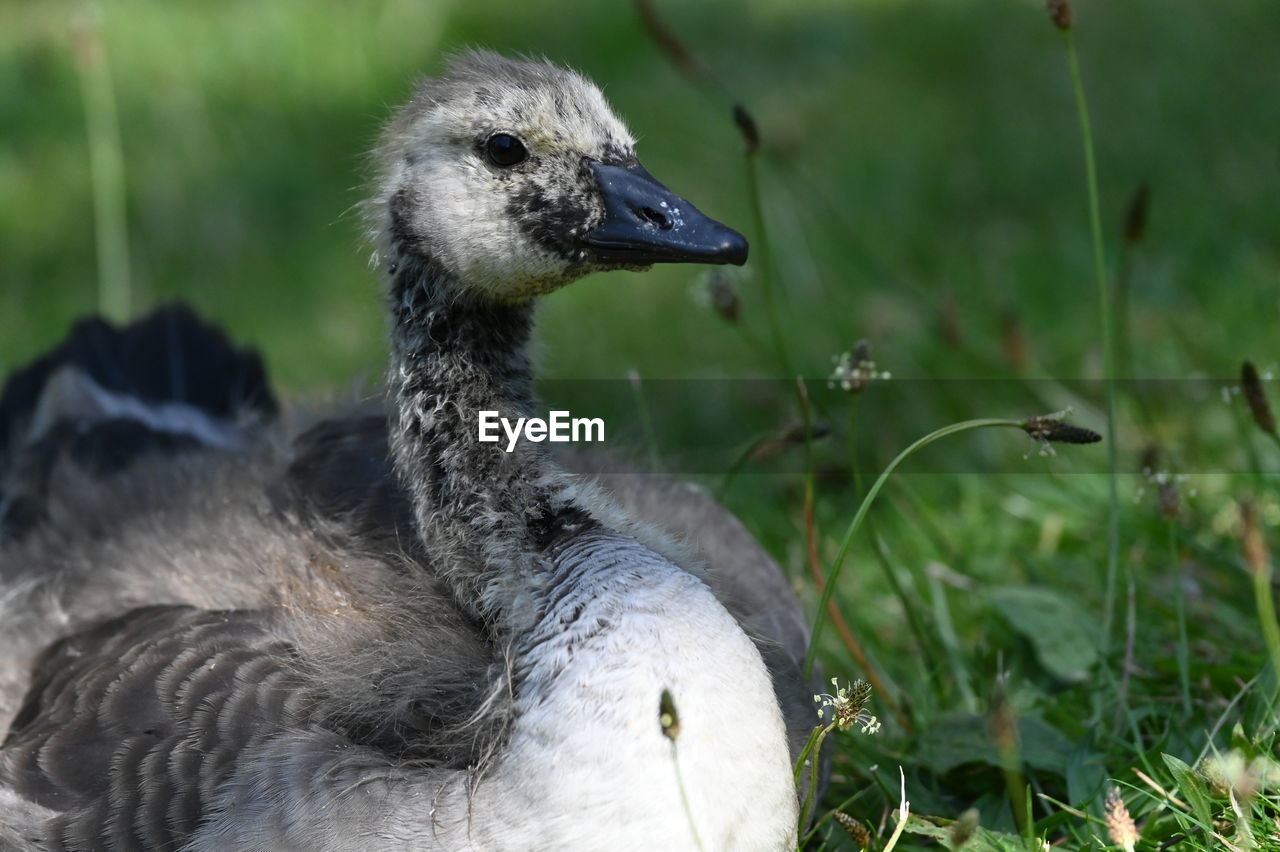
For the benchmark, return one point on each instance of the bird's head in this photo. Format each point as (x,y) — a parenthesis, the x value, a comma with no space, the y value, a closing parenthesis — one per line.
(515,177)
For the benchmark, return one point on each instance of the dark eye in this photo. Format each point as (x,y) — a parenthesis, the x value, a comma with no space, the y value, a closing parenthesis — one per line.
(505,150)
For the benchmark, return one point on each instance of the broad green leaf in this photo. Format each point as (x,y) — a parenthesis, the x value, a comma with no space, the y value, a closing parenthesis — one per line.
(1064,634)
(955,739)
(1086,774)
(981,841)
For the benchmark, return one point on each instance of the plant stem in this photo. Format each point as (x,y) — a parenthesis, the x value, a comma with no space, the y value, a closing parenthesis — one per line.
(904,812)
(1123,312)
(765,258)
(1105,308)
(1130,637)
(847,636)
(951,643)
(810,522)
(684,799)
(854,467)
(809,745)
(834,574)
(831,813)
(106,167)
(859,654)
(1184,648)
(1266,606)
(722,490)
(813,753)
(911,605)
(646,422)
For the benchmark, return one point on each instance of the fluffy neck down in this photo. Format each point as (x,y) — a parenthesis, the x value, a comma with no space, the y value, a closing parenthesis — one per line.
(485,513)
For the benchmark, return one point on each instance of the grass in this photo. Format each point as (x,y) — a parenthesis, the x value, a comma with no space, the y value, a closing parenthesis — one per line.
(107,167)
(832,577)
(919,176)
(1106,304)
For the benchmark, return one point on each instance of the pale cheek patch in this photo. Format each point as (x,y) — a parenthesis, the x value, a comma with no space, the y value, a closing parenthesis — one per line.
(467,218)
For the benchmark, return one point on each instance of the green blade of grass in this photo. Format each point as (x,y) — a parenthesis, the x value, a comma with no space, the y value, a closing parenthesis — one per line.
(106,161)
(1105,308)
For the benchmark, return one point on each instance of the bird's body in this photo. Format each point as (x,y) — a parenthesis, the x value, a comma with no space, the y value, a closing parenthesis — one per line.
(282,638)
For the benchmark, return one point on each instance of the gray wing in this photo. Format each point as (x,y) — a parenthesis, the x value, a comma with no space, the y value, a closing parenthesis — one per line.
(129,728)
(177,582)
(166,393)
(172,725)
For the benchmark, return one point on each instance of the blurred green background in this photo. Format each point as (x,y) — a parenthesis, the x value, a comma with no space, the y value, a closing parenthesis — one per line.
(920,155)
(922,184)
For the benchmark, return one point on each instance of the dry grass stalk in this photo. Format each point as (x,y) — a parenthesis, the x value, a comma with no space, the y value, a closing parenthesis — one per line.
(792,436)
(949,321)
(724,296)
(747,127)
(1135,219)
(1061,13)
(1050,428)
(858,833)
(1154,785)
(963,829)
(904,812)
(851,643)
(854,370)
(1256,554)
(1256,396)
(666,39)
(1013,340)
(1120,827)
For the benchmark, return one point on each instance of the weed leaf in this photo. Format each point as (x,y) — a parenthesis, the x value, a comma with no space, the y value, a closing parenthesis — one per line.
(1064,635)
(956,739)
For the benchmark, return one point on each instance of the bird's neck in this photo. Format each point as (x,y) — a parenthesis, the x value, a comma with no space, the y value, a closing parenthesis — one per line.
(480,509)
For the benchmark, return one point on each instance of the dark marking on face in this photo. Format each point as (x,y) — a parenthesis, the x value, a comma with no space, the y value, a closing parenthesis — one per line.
(401,209)
(617,154)
(535,201)
(556,217)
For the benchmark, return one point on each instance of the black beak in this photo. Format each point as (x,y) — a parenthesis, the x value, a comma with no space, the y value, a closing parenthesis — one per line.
(647,223)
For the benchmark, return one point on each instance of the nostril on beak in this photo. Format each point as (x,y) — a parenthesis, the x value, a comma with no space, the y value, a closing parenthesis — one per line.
(655,218)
